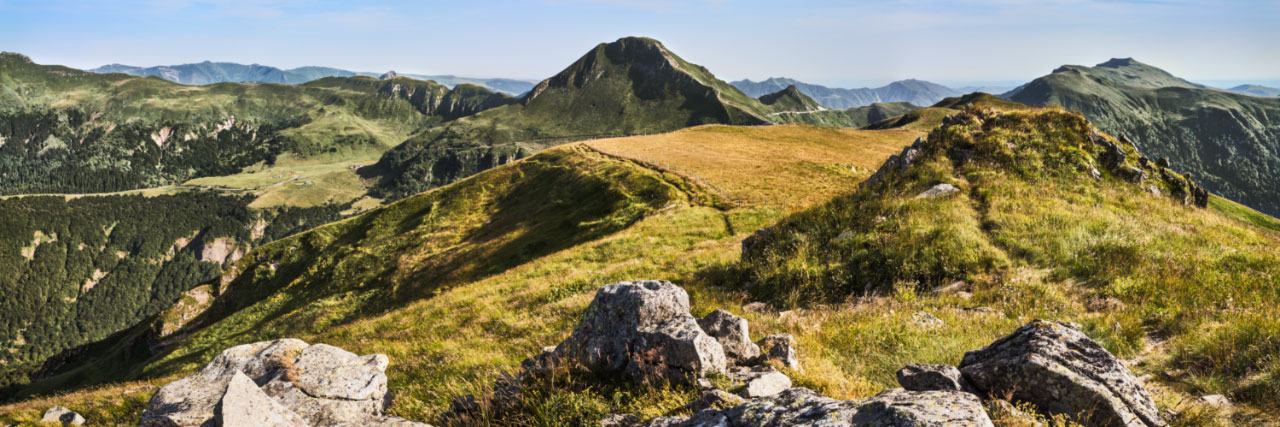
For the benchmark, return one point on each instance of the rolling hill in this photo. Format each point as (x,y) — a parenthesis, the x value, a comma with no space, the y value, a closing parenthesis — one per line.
(916,92)
(1229,142)
(207,72)
(1256,90)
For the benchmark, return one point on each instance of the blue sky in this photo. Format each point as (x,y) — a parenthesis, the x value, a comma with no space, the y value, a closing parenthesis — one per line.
(838,43)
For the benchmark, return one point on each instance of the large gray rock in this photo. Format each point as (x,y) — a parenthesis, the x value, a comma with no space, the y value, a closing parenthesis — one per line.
(643,328)
(803,407)
(1057,368)
(58,414)
(733,334)
(922,377)
(282,382)
(244,404)
(191,401)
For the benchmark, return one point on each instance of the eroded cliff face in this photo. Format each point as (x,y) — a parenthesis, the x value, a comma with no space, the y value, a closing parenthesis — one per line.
(435,99)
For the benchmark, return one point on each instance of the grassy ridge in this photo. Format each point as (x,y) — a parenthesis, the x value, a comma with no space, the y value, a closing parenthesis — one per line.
(1226,140)
(1031,232)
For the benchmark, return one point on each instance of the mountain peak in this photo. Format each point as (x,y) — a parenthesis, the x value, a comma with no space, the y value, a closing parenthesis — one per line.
(790,99)
(1120,62)
(388,75)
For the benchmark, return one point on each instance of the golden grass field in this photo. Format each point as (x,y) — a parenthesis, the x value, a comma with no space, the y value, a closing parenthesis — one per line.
(792,165)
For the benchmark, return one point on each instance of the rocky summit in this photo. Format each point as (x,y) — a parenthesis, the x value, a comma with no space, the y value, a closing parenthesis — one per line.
(285,382)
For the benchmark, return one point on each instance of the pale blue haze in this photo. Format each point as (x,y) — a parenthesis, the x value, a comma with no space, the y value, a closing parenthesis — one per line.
(837,43)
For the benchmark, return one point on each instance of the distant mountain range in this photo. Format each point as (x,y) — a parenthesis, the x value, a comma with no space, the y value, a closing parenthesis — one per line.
(208,72)
(917,92)
(1228,141)
(1256,90)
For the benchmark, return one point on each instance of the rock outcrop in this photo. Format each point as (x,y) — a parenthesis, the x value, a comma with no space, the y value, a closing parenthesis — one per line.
(645,329)
(899,162)
(281,383)
(803,407)
(58,414)
(1057,368)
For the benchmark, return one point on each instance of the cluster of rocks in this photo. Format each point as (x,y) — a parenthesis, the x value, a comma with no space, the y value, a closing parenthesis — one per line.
(645,329)
(285,382)
(900,162)
(1114,158)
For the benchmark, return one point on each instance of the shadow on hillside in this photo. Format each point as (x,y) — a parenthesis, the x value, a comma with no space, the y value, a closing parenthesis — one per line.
(384,261)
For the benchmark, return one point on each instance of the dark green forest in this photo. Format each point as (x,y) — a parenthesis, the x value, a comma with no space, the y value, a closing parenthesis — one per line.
(75,271)
(51,151)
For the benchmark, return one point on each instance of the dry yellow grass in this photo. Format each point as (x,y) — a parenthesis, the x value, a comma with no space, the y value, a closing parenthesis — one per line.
(795,166)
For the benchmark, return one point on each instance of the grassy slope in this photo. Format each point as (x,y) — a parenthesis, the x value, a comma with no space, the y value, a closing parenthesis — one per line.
(790,166)
(1032,236)
(1228,141)
(452,316)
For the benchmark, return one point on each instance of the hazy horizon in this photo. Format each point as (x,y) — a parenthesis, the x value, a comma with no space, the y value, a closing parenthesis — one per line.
(869,44)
